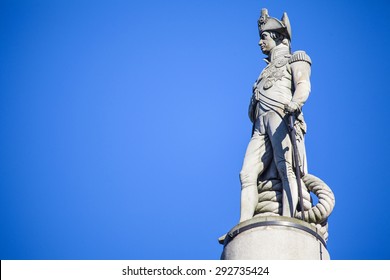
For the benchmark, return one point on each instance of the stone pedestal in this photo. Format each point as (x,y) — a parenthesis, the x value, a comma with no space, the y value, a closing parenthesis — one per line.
(274,238)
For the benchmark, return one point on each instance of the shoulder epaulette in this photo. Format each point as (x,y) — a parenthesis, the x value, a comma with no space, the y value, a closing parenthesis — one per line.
(299,56)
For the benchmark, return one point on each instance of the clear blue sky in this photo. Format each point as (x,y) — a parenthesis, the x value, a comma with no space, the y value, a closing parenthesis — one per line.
(123,124)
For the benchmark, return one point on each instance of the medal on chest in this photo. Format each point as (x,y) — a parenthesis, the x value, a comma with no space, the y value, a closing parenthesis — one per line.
(273,72)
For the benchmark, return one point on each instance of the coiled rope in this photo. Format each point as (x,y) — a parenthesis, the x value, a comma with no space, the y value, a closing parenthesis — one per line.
(270,201)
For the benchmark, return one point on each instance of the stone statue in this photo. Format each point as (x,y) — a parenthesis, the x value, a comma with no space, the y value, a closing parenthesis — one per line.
(278,219)
(268,181)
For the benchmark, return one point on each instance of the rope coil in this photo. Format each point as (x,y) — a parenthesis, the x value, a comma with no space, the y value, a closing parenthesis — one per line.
(270,201)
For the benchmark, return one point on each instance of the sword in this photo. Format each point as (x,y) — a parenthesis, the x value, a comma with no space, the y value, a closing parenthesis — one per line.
(291,119)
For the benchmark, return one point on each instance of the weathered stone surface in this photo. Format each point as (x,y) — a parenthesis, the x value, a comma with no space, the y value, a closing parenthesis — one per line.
(275,238)
(274,169)
(277,217)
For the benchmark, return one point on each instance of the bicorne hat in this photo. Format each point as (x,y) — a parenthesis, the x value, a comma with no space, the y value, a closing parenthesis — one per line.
(267,23)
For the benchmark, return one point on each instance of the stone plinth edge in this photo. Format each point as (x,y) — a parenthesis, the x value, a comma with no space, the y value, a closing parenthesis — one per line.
(274,238)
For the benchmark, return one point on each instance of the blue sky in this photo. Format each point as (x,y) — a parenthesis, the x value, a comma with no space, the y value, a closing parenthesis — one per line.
(124,124)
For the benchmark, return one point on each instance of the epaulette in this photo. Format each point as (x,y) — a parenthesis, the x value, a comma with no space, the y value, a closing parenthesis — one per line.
(299,56)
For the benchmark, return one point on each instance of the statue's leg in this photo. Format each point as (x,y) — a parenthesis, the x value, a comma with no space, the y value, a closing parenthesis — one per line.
(282,153)
(257,157)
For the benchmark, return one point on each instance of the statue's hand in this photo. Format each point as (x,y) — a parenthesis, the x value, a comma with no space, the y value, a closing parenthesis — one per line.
(291,107)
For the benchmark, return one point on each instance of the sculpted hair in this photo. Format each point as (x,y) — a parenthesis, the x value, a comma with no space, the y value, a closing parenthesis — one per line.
(280,38)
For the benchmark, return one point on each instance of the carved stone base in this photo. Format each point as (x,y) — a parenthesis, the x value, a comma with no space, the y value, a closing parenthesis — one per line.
(274,238)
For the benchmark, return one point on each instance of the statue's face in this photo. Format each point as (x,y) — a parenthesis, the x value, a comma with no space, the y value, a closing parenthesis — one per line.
(266,43)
